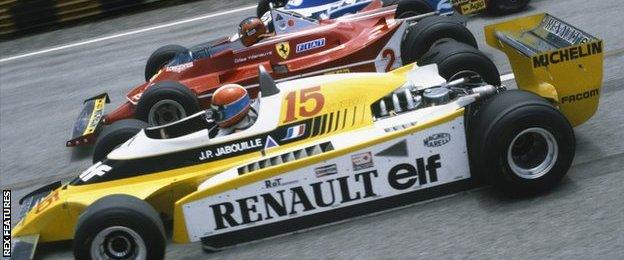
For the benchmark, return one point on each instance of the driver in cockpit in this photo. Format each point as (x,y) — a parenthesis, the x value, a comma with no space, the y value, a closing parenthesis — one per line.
(233,109)
(252,30)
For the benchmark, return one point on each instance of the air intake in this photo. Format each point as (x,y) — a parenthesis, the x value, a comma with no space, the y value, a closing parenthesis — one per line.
(286,157)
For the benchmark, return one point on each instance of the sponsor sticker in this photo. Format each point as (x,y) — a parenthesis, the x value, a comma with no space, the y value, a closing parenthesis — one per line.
(98,169)
(362,161)
(326,170)
(270,142)
(279,182)
(567,54)
(179,68)
(340,71)
(580,96)
(437,140)
(564,31)
(310,45)
(294,132)
(283,49)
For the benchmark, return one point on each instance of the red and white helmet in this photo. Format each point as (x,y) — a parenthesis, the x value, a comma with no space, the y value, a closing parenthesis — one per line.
(231,104)
(250,30)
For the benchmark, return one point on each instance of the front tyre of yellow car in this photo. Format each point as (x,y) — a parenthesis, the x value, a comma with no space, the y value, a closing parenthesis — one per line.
(119,227)
(520,143)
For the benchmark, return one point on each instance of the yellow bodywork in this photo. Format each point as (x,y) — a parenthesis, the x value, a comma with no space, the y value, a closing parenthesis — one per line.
(560,82)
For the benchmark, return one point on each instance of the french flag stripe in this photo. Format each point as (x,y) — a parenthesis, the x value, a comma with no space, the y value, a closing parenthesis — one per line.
(295,131)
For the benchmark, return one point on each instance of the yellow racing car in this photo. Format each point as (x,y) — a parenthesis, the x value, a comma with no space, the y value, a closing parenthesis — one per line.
(333,147)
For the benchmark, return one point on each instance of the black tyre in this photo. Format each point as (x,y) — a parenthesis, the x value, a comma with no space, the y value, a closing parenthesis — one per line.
(166,102)
(114,135)
(507,6)
(119,227)
(457,60)
(263,6)
(520,143)
(160,58)
(409,8)
(431,31)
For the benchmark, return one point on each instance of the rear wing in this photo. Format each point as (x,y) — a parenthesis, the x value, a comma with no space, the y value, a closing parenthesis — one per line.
(553,59)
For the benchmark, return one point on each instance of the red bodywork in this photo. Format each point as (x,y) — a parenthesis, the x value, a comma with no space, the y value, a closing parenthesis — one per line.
(351,44)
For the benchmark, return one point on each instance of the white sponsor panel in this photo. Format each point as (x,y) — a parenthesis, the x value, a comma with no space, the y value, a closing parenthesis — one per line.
(390,56)
(401,165)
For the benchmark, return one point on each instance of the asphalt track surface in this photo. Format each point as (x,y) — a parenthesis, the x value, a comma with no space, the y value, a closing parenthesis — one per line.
(41,95)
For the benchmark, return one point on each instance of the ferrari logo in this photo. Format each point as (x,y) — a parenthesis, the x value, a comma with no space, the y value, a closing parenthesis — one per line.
(283,49)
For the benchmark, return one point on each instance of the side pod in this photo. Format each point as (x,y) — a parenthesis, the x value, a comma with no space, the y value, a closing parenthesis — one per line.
(553,59)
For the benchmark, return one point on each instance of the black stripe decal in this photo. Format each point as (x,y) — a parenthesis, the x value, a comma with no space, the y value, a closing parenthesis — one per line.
(354,113)
(330,123)
(323,124)
(344,119)
(316,123)
(337,120)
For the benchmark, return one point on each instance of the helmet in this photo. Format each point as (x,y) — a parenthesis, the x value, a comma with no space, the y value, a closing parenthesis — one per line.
(230,103)
(250,30)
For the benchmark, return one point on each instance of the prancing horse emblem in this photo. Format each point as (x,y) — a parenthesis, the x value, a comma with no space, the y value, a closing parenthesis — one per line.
(283,49)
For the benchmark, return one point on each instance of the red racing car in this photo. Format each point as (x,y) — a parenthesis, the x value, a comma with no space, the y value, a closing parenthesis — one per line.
(180,81)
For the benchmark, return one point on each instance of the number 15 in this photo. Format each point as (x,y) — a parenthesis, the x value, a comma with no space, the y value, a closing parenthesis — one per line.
(305,96)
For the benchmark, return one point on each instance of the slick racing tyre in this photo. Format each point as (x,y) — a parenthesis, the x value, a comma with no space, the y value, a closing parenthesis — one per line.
(457,60)
(520,143)
(114,135)
(119,227)
(166,102)
(409,8)
(263,6)
(160,58)
(507,6)
(430,32)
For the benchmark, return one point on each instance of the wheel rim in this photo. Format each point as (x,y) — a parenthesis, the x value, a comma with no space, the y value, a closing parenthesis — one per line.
(166,111)
(532,153)
(118,242)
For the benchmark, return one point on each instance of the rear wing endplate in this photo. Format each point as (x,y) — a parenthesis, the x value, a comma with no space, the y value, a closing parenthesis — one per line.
(554,60)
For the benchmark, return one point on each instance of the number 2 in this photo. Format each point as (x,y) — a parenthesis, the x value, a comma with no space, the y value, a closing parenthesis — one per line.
(390,56)
(305,95)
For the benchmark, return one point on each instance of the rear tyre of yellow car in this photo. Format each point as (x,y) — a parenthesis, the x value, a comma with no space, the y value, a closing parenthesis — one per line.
(458,60)
(114,135)
(520,143)
(119,227)
(430,32)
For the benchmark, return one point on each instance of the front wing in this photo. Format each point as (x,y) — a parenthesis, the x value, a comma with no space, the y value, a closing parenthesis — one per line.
(88,121)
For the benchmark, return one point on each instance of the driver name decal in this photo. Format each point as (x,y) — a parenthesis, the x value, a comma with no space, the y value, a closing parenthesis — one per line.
(232,148)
